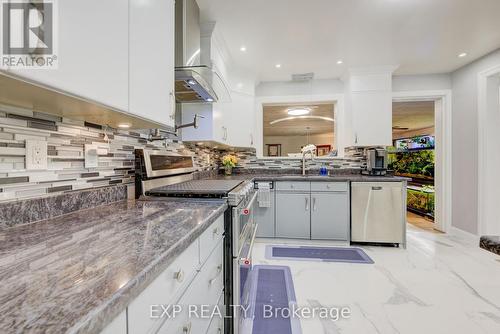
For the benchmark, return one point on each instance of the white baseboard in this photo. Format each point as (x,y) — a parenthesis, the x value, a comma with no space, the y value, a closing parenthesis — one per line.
(459,232)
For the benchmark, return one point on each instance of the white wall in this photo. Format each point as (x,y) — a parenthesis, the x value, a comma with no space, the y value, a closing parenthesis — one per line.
(421,82)
(465,142)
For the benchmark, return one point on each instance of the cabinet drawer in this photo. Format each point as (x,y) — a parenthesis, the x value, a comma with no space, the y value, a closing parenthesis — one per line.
(293,186)
(210,238)
(205,290)
(329,186)
(217,322)
(165,289)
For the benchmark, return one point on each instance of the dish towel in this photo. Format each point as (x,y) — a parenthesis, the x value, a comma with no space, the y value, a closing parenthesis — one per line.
(264,195)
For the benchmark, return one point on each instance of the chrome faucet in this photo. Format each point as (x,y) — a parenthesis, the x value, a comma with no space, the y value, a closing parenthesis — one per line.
(305,150)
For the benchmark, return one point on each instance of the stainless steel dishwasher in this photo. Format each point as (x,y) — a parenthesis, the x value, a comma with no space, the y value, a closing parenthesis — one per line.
(378,212)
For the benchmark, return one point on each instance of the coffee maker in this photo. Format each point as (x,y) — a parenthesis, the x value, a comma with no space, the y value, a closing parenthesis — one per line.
(376,162)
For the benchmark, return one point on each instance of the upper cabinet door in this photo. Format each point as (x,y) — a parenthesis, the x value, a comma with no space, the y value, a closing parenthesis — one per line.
(152,60)
(92,52)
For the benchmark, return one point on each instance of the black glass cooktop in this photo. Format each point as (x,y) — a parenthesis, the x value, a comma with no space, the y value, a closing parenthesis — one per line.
(196,188)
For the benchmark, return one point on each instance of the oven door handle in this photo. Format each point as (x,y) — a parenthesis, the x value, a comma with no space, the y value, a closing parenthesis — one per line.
(246,210)
(250,248)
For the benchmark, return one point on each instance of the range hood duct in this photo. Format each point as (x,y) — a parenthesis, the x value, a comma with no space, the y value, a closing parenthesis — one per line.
(194,82)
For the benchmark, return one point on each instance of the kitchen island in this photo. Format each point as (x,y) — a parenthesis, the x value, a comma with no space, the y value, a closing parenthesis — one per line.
(77,272)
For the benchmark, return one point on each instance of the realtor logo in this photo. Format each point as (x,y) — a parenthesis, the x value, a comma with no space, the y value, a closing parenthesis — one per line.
(28,34)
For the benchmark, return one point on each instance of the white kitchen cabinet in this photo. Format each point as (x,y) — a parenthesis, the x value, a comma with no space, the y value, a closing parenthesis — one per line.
(152,60)
(368,104)
(195,277)
(204,291)
(241,120)
(330,216)
(293,218)
(372,118)
(164,290)
(229,123)
(265,218)
(92,53)
(312,210)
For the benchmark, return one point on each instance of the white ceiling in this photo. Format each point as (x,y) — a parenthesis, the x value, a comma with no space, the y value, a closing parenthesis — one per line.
(413,115)
(422,36)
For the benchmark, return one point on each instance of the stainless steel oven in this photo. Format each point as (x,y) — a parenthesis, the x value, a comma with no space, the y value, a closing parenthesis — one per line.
(244,232)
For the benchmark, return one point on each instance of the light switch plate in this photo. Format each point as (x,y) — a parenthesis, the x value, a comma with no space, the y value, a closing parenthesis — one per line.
(91,156)
(36,154)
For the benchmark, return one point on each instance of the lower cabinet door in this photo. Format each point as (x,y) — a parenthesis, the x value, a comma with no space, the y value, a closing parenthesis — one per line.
(293,215)
(264,217)
(330,216)
(217,322)
(200,301)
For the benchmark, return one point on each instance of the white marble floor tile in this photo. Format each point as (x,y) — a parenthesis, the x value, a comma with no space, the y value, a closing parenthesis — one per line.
(440,284)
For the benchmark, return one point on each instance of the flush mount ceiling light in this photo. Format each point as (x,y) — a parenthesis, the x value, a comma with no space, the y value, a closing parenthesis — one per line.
(124,126)
(328,119)
(298,111)
(462,55)
(340,62)
(278,65)
(243,48)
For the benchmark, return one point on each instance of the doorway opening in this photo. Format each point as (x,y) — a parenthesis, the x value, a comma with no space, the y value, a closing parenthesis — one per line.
(413,156)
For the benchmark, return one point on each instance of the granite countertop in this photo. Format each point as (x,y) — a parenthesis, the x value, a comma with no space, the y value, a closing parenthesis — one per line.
(298,177)
(76,272)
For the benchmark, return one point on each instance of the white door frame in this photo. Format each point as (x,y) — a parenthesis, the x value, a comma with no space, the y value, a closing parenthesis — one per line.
(443,171)
(483,167)
(339,124)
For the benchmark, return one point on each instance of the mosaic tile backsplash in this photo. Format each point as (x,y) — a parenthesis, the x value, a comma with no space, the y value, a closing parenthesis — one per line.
(65,149)
(66,161)
(355,159)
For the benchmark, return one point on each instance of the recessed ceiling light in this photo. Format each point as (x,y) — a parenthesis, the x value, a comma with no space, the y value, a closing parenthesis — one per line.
(191,82)
(124,125)
(463,54)
(340,62)
(298,111)
(243,48)
(210,99)
(278,65)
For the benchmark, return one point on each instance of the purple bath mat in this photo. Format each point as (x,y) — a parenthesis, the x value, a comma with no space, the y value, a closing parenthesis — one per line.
(272,289)
(325,254)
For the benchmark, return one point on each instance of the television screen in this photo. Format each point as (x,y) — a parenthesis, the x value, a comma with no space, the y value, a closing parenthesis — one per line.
(415,143)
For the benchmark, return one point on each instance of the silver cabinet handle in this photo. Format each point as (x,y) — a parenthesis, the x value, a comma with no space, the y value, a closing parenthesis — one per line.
(219,270)
(186,329)
(307,204)
(314,203)
(172,104)
(179,276)
(355,138)
(376,188)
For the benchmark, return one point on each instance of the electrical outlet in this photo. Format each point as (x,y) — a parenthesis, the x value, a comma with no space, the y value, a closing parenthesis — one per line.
(36,154)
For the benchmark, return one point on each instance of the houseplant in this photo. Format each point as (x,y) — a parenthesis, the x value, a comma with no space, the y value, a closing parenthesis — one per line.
(229,161)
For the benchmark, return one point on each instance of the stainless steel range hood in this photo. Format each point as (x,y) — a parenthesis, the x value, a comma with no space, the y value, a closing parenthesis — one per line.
(194,82)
